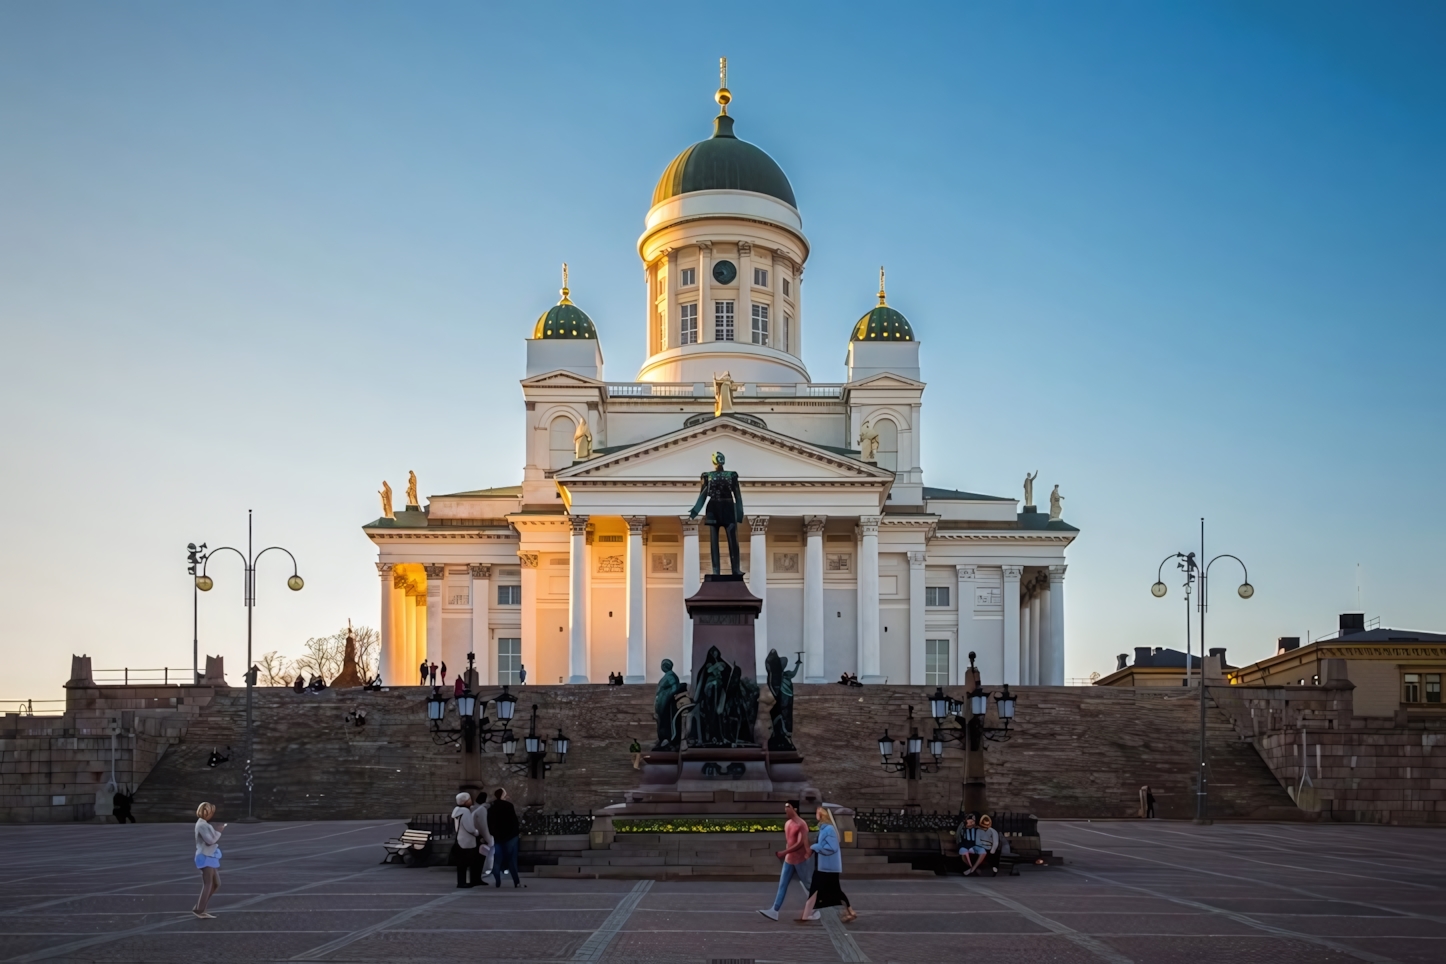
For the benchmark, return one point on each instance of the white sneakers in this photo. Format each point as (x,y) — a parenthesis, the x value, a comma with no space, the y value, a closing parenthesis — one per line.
(771,914)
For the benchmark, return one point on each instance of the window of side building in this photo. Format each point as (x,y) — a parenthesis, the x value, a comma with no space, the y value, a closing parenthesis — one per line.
(688,277)
(509,595)
(760,277)
(936,596)
(1411,688)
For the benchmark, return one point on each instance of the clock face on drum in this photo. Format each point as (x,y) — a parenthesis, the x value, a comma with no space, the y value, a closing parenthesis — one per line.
(724,272)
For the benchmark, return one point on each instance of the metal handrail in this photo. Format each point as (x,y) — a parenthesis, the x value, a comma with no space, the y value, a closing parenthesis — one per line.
(130,675)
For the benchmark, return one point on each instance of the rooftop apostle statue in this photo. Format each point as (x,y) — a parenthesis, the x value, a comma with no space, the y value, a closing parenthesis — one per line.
(412,489)
(582,442)
(725,508)
(386,494)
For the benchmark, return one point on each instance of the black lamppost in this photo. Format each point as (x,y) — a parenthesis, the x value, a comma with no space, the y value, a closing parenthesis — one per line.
(472,731)
(536,765)
(205,582)
(1200,572)
(195,558)
(911,762)
(972,729)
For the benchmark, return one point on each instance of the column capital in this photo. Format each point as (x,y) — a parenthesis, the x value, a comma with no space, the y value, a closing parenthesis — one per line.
(480,570)
(916,559)
(435,570)
(528,559)
(967,572)
(758,523)
(705,246)
(1013,572)
(578,523)
(814,524)
(384,567)
(399,581)
(690,525)
(635,523)
(745,248)
(869,524)
(1056,573)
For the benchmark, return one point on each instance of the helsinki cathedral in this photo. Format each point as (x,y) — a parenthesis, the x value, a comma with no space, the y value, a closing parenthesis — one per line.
(580,571)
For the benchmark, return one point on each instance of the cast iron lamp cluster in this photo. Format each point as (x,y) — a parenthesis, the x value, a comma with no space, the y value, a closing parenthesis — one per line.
(474,732)
(971,732)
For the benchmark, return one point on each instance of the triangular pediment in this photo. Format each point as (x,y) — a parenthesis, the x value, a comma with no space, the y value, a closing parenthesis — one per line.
(561,379)
(885,380)
(758,455)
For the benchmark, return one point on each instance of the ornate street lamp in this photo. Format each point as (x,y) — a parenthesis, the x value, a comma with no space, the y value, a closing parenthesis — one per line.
(473,732)
(911,763)
(971,729)
(536,764)
(1200,574)
(205,583)
(195,559)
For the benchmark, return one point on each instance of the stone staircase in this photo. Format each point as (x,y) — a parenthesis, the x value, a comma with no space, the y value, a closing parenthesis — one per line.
(1076,752)
(738,856)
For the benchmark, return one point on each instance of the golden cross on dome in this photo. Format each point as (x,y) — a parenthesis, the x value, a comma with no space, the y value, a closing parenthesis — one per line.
(564,300)
(882,303)
(724,95)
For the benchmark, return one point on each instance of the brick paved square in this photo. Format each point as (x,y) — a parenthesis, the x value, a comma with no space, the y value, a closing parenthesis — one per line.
(1128,892)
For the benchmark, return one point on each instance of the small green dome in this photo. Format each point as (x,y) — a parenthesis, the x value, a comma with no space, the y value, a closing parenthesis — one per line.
(883,324)
(724,163)
(565,320)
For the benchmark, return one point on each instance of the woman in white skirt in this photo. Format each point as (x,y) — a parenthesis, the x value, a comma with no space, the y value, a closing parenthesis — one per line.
(208,858)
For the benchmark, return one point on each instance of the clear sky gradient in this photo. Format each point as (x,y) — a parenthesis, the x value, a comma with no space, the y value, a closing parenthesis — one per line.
(1184,259)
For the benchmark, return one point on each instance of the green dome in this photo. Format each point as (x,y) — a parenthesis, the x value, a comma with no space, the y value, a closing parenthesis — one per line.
(565,320)
(883,324)
(724,163)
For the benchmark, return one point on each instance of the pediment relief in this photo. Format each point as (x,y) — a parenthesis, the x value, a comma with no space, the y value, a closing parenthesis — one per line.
(759,456)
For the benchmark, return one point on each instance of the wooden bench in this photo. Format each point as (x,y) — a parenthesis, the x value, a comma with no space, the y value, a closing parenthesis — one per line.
(412,848)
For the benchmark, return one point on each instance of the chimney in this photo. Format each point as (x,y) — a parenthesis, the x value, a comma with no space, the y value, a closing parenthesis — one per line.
(1218,651)
(1121,661)
(1142,656)
(1352,623)
(1284,644)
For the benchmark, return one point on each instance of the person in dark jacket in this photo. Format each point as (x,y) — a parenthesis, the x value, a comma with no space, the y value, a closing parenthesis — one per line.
(506,835)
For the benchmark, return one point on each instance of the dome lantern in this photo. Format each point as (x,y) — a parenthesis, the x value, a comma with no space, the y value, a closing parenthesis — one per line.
(883,323)
(564,320)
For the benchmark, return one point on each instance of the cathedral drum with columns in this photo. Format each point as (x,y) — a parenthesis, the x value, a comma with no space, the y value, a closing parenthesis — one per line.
(581,570)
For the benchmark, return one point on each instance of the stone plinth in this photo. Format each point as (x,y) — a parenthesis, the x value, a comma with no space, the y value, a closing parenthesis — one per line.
(723,613)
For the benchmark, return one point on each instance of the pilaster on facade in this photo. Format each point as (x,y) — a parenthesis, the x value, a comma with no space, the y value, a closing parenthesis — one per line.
(481,574)
(917,661)
(436,575)
(528,562)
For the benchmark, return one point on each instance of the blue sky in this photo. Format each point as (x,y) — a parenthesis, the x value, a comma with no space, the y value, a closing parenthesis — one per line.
(1184,259)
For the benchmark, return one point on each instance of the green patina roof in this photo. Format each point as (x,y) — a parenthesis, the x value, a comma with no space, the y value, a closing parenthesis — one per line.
(565,320)
(724,163)
(883,324)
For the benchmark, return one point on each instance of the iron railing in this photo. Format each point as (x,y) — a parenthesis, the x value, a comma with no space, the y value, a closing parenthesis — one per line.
(894,821)
(535,823)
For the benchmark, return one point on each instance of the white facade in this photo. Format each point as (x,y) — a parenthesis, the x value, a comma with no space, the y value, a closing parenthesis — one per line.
(581,570)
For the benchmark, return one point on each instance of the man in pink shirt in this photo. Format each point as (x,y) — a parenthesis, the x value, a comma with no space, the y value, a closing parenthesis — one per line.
(794,854)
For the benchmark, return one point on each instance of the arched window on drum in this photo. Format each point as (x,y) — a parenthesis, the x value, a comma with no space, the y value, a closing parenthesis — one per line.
(559,442)
(888,444)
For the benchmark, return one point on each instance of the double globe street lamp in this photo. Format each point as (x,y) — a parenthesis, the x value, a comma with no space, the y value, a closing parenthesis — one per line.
(205,583)
(1199,573)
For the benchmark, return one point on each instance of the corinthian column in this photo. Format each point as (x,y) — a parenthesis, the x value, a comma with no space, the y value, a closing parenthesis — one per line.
(1011,624)
(436,575)
(637,601)
(481,630)
(577,601)
(1055,676)
(869,670)
(758,585)
(386,654)
(813,599)
(691,581)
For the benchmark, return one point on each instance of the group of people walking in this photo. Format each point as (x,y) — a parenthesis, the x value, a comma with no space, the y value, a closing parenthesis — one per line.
(488,834)
(818,867)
